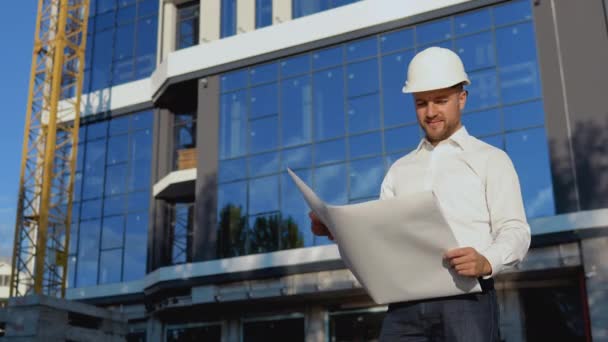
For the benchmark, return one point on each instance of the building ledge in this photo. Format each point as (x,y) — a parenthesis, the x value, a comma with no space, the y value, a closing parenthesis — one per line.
(177,186)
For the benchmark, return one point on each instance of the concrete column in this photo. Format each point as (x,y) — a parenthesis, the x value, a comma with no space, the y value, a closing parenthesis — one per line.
(204,239)
(281,11)
(231,330)
(167,30)
(154,329)
(315,327)
(245,16)
(209,21)
(595,254)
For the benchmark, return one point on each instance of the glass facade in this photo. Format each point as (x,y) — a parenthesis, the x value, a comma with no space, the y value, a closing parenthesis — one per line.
(263,13)
(302,8)
(338,118)
(227,18)
(111,194)
(121,42)
(194,332)
(286,329)
(187,25)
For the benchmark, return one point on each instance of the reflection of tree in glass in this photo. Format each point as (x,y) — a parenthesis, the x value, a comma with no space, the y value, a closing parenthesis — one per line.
(268,233)
(232,236)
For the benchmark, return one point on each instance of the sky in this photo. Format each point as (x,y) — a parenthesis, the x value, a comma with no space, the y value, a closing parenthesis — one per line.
(17,26)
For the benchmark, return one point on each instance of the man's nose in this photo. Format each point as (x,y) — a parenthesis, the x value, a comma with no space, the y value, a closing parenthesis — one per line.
(431,110)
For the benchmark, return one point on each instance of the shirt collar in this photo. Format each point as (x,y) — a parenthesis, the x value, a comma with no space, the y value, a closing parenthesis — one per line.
(460,138)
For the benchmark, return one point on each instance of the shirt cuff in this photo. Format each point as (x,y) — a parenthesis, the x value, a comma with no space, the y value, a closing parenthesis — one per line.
(494,257)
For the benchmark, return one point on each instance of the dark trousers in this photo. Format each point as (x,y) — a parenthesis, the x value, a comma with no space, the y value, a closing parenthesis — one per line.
(469,318)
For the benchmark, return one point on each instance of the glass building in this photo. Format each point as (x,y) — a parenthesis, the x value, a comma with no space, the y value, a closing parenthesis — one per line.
(185,216)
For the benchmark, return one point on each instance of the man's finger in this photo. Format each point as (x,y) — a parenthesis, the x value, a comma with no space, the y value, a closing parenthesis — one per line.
(462,259)
(458,252)
(465,266)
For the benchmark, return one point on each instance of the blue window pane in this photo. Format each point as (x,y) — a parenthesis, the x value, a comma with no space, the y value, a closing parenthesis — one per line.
(397,40)
(232,194)
(330,183)
(110,266)
(398,107)
(146,46)
(483,91)
(328,100)
(228,18)
(293,206)
(330,152)
(263,195)
(512,11)
(104,21)
(125,39)
(446,44)
(234,80)
(496,141)
(72,264)
(232,170)
(119,125)
(88,250)
(365,177)
(476,51)
(78,186)
(263,13)
(138,201)
(295,66)
(142,120)
(125,15)
(519,76)
(141,145)
(90,210)
(105,5)
(434,31)
(124,71)
(264,100)
(118,149)
(362,49)
(302,8)
(362,78)
(483,123)
(296,111)
(402,138)
(102,60)
(524,115)
(114,205)
(338,3)
(122,3)
(528,150)
(263,134)
(364,113)
(233,124)
(472,22)
(264,233)
(116,180)
(94,169)
(136,243)
(139,175)
(263,164)
(258,74)
(112,231)
(365,145)
(327,58)
(147,7)
(296,158)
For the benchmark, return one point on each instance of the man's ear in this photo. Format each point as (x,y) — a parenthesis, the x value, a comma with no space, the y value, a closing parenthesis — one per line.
(462,99)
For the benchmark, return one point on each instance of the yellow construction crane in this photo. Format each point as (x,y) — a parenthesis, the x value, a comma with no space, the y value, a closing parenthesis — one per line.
(42,229)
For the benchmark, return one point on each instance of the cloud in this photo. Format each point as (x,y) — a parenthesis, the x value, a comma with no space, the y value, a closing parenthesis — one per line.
(540,202)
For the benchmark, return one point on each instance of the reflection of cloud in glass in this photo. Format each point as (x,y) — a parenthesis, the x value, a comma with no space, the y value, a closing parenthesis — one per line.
(330,183)
(538,205)
(365,177)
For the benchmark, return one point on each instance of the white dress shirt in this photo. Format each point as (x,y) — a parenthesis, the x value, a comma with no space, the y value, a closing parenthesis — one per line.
(478,190)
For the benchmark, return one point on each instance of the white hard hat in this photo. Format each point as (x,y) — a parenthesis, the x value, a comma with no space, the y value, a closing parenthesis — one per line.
(434,68)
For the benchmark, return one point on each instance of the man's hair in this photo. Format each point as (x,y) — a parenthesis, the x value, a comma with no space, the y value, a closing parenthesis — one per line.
(459,86)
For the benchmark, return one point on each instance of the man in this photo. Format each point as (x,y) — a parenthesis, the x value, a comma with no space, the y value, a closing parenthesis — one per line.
(479,194)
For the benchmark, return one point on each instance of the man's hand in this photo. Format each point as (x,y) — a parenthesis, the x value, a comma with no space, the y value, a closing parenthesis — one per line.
(317,227)
(467,262)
